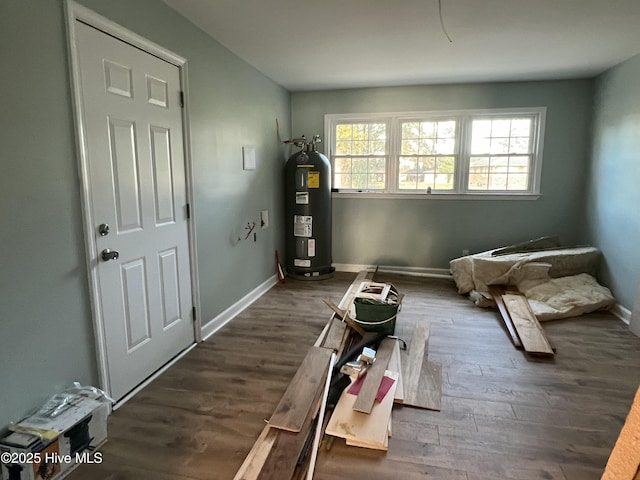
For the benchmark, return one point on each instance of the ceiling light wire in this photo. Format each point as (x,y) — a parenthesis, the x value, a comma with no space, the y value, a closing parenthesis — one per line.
(444,30)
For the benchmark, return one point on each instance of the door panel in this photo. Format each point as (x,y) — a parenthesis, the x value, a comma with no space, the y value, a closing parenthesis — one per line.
(135,162)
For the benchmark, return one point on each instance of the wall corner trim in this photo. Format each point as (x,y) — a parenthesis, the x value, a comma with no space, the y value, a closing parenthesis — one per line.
(219,321)
(621,312)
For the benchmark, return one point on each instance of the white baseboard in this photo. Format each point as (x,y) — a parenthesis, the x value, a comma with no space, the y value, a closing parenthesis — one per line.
(621,312)
(230,313)
(415,271)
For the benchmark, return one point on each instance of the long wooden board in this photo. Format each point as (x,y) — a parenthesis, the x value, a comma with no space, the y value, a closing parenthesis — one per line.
(412,363)
(497,292)
(367,396)
(526,324)
(297,400)
(395,365)
(283,457)
(364,429)
(429,393)
(253,463)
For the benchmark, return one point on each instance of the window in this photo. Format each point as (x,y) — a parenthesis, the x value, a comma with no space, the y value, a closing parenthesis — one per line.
(360,158)
(476,153)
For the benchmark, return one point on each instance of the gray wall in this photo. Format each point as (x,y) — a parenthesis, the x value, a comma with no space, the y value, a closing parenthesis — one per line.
(46,333)
(613,192)
(428,233)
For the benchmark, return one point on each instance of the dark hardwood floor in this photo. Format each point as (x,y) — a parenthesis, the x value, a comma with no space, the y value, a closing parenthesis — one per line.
(504,416)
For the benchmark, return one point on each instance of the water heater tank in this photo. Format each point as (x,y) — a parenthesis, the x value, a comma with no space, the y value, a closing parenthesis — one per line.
(308,213)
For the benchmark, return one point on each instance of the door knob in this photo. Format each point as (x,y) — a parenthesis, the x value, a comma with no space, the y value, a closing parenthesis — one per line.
(103,229)
(108,254)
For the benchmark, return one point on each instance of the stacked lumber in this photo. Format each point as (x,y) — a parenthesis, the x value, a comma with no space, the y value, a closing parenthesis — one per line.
(297,420)
(288,444)
(523,327)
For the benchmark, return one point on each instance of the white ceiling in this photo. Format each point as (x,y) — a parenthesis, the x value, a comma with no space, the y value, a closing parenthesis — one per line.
(304,45)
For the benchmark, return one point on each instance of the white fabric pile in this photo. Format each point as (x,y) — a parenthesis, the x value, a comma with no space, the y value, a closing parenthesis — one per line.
(557,283)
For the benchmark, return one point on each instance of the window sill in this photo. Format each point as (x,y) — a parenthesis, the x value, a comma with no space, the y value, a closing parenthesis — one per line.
(437,196)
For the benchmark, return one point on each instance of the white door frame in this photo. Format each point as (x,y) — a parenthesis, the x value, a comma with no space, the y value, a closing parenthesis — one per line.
(75,11)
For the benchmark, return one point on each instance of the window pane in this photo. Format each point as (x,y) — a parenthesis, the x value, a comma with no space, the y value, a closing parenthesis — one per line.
(501,137)
(411,130)
(342,165)
(445,146)
(420,173)
(518,182)
(377,165)
(376,181)
(429,129)
(359,181)
(497,181)
(501,128)
(343,147)
(342,180)
(377,147)
(427,147)
(344,132)
(447,129)
(359,165)
(519,145)
(521,127)
(410,147)
(499,145)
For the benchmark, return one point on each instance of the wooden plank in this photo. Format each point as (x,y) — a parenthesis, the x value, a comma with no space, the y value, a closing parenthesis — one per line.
(497,292)
(395,365)
(365,429)
(334,336)
(535,245)
(429,393)
(367,396)
(527,325)
(412,364)
(337,310)
(625,457)
(297,400)
(254,461)
(283,457)
(320,422)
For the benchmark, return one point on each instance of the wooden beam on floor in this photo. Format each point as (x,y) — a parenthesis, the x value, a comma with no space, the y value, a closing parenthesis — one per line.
(371,384)
(422,379)
(496,292)
(395,365)
(526,324)
(297,401)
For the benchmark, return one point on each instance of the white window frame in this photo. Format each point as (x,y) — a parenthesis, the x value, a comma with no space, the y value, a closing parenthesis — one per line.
(463,152)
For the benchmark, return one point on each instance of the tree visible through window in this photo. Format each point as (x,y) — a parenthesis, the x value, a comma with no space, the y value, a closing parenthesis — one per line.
(459,152)
(428,155)
(360,159)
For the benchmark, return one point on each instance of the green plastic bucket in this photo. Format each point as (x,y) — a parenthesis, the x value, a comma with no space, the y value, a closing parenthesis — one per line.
(374,316)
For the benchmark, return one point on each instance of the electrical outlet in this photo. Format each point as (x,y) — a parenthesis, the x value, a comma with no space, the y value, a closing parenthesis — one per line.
(264,218)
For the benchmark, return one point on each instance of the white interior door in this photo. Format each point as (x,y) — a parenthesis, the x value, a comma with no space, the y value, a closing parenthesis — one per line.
(137,190)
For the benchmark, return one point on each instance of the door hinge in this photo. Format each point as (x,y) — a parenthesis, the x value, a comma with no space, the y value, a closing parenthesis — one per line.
(188,211)
(193,313)
(181,99)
